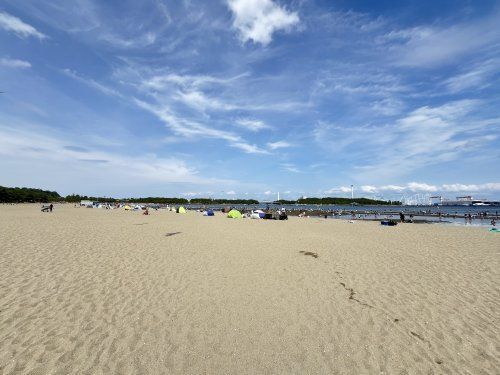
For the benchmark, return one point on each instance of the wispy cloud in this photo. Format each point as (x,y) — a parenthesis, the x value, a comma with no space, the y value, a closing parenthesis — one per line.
(427,46)
(290,168)
(17,26)
(258,20)
(252,125)
(14,141)
(479,76)
(92,83)
(366,95)
(192,129)
(14,63)
(420,187)
(279,144)
(140,41)
(425,136)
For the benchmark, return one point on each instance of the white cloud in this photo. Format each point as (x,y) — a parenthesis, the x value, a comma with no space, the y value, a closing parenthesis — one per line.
(92,83)
(231,192)
(420,187)
(395,188)
(478,77)
(30,145)
(191,194)
(252,125)
(18,27)
(341,189)
(14,63)
(248,148)
(278,145)
(192,129)
(186,81)
(423,137)
(492,186)
(257,20)
(291,168)
(200,101)
(185,127)
(368,189)
(118,41)
(433,45)
(268,192)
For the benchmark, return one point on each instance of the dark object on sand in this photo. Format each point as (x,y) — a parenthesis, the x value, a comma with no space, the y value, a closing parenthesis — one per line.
(45,208)
(283,216)
(309,253)
(390,223)
(277,215)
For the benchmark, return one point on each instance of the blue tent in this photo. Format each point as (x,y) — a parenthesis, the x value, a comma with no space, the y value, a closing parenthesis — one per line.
(209,213)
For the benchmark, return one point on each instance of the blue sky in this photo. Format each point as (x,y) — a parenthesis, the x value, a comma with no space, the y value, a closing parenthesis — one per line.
(245,98)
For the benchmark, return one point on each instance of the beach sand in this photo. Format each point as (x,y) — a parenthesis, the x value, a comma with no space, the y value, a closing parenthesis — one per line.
(93,291)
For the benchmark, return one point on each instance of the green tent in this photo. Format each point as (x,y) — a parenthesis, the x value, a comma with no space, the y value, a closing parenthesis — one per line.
(234,214)
(181,210)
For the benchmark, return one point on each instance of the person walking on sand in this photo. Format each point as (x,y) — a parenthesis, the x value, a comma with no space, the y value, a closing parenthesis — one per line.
(402,217)
(51,207)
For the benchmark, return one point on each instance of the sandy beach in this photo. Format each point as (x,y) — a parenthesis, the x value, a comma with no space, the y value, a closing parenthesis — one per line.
(93,291)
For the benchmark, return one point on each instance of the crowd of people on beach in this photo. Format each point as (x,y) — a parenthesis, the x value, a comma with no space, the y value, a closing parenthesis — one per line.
(281,213)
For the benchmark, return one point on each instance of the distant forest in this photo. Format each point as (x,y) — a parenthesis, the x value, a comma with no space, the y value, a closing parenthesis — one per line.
(20,195)
(15,195)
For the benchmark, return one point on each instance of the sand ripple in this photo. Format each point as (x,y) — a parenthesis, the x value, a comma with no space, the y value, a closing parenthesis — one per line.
(113,292)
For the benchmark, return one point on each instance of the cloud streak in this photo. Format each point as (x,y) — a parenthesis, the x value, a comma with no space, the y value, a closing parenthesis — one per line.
(15,25)
(420,187)
(425,136)
(14,63)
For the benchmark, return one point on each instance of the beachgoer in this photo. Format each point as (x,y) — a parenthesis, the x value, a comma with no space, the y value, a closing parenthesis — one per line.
(51,207)
(402,217)
(493,222)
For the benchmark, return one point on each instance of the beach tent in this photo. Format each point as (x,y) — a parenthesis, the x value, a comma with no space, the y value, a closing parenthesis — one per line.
(257,214)
(127,207)
(234,214)
(260,213)
(208,213)
(181,210)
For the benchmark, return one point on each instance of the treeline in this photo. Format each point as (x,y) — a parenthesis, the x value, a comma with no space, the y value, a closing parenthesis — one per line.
(75,198)
(159,200)
(18,195)
(340,201)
